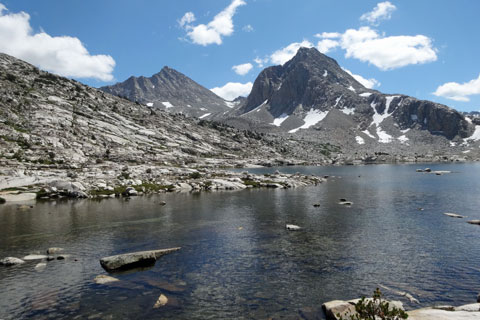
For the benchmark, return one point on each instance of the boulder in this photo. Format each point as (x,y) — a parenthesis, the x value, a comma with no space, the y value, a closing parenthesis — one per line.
(162,300)
(453,215)
(292,227)
(335,307)
(54,250)
(11,261)
(134,259)
(19,197)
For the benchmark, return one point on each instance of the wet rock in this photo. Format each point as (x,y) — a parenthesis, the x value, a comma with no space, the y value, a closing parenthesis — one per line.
(11,261)
(346,203)
(453,215)
(132,260)
(2,200)
(50,258)
(103,279)
(427,170)
(54,250)
(292,227)
(35,257)
(162,203)
(162,300)
(419,170)
(477,222)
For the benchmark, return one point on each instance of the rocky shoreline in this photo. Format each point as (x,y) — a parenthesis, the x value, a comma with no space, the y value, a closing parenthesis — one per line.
(126,181)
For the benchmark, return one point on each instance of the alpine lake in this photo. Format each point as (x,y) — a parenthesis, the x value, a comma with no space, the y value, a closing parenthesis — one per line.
(238,261)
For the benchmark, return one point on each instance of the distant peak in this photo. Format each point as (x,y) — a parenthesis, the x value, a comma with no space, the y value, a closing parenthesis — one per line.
(304,54)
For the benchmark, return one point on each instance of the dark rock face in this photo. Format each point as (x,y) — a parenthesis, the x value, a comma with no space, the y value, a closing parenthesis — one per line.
(172,91)
(305,91)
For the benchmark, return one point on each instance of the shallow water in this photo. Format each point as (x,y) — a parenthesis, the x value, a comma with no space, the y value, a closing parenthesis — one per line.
(238,261)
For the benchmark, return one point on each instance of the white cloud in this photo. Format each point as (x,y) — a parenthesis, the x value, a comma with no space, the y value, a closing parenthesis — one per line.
(382,11)
(248,28)
(387,53)
(187,18)
(220,26)
(63,55)
(367,83)
(242,69)
(328,35)
(232,90)
(325,45)
(459,91)
(283,55)
(261,62)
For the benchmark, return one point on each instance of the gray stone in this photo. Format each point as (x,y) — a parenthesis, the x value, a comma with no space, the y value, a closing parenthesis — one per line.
(134,259)
(35,257)
(11,261)
(335,307)
(54,250)
(453,215)
(292,227)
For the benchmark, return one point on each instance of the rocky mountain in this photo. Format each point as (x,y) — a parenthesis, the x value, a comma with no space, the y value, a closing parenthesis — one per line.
(47,121)
(314,99)
(173,92)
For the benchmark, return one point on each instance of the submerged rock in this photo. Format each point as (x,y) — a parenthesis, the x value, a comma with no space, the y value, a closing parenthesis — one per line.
(40,266)
(103,279)
(11,261)
(134,259)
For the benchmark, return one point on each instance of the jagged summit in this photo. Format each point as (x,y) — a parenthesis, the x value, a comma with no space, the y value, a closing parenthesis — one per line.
(172,91)
(312,91)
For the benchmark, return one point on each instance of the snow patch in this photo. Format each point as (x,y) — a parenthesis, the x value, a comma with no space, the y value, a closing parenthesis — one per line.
(205,115)
(452,144)
(338,100)
(312,118)
(351,89)
(348,110)
(476,134)
(359,140)
(167,104)
(383,137)
(258,107)
(365,94)
(368,134)
(203,109)
(325,73)
(389,100)
(403,138)
(278,121)
(466,151)
(405,131)
(468,119)
(150,104)
(230,104)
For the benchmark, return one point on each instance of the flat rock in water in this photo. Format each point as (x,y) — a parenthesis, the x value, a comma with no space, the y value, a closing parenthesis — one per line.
(453,215)
(292,227)
(35,257)
(18,197)
(11,261)
(134,259)
(474,222)
(435,314)
(40,266)
(162,300)
(103,279)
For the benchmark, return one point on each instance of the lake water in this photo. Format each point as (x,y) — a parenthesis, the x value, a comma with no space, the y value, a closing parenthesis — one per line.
(238,261)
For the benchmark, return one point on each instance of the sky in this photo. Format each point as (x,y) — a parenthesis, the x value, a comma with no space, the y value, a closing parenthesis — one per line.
(426,49)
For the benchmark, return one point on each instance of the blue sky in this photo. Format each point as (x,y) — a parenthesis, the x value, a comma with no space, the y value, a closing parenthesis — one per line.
(412,47)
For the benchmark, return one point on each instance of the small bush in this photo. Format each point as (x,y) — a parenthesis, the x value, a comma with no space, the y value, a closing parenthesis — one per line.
(375,308)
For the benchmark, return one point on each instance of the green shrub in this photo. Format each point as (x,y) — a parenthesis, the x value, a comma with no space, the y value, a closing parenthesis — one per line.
(375,308)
